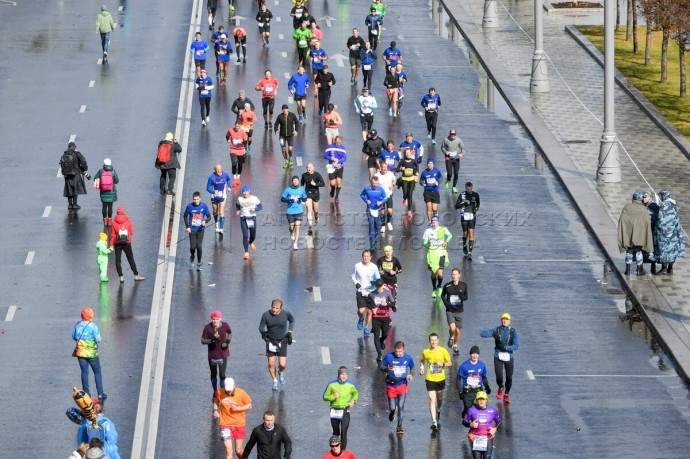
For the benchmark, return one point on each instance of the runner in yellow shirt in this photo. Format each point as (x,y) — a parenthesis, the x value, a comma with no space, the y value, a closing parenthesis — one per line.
(434,360)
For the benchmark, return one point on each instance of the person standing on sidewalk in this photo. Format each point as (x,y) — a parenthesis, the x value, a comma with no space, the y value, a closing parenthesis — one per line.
(453,149)
(506,343)
(287,128)
(87,337)
(216,335)
(230,406)
(635,233)
(121,234)
(268,438)
(454,295)
(168,162)
(431,103)
(276,330)
(74,169)
(668,235)
(204,84)
(247,206)
(105,181)
(104,26)
(196,216)
(435,359)
(342,395)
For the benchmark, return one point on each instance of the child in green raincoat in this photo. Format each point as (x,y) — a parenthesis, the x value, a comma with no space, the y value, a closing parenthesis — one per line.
(103,250)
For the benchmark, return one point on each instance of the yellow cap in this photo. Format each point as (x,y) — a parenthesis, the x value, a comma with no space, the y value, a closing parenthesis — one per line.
(481,394)
(505,316)
(388,248)
(103,236)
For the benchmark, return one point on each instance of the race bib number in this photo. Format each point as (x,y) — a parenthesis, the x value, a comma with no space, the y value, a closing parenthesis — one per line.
(298,12)
(316,59)
(473,381)
(337,414)
(250,224)
(431,181)
(374,31)
(374,212)
(468,216)
(452,154)
(200,52)
(196,221)
(219,193)
(390,161)
(354,47)
(236,142)
(273,347)
(221,52)
(330,168)
(455,300)
(387,266)
(399,371)
(366,66)
(409,172)
(480,443)
(435,368)
(204,92)
(302,43)
(261,24)
(504,356)
(431,106)
(268,89)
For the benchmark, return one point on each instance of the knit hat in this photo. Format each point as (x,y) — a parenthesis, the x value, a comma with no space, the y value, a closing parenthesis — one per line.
(169,136)
(342,370)
(388,248)
(94,453)
(107,162)
(474,350)
(434,218)
(71,144)
(430,160)
(103,237)
(120,210)
(334,440)
(216,315)
(87,314)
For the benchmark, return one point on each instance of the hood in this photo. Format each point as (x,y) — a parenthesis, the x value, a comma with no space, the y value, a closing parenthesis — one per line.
(120,219)
(108,168)
(103,13)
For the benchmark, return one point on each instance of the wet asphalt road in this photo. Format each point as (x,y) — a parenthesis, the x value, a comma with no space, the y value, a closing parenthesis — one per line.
(533,256)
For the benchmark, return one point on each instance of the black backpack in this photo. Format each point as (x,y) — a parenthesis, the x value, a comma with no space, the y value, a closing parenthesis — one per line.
(69,164)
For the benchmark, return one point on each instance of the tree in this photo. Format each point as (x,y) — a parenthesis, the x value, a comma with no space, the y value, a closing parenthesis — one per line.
(648,10)
(635,41)
(680,32)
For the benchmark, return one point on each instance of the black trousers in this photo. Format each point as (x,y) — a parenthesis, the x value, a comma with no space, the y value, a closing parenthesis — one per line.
(498,369)
(196,241)
(168,176)
(237,163)
(340,427)
(127,248)
(366,76)
(205,104)
(407,189)
(453,170)
(431,119)
(324,98)
(380,329)
(107,209)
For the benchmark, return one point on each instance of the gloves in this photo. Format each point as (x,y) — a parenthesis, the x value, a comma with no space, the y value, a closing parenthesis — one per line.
(394,308)
(224,346)
(289,338)
(213,340)
(501,347)
(264,336)
(358,286)
(419,160)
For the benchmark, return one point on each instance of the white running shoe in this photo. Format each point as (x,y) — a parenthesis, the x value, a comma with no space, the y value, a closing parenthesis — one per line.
(390,226)
(203,123)
(208,119)
(383,229)
(294,246)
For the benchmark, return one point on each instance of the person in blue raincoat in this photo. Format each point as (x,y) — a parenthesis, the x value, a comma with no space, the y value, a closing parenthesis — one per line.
(106,432)
(668,236)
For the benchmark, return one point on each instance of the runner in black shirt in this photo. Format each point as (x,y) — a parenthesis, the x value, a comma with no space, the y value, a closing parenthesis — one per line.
(468,203)
(392,82)
(454,294)
(389,267)
(355,44)
(312,181)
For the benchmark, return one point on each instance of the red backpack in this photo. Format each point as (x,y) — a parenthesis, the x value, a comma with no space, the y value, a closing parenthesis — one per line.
(107,183)
(164,152)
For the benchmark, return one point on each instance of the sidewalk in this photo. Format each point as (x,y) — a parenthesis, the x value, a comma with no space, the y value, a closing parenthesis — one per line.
(565,124)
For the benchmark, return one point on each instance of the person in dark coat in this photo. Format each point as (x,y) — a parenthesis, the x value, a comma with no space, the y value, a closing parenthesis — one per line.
(635,233)
(74,182)
(108,196)
(668,235)
(269,437)
(169,169)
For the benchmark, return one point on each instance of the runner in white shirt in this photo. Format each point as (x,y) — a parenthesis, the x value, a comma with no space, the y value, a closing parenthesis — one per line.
(247,205)
(364,275)
(387,182)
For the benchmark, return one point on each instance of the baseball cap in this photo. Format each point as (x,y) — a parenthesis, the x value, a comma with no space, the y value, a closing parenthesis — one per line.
(378,283)
(245,189)
(505,316)
(374,132)
(203,70)
(334,440)
(216,315)
(434,218)
(223,36)
(229,384)
(430,160)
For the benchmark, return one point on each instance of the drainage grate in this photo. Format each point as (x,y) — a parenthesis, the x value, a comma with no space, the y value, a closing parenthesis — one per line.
(569,142)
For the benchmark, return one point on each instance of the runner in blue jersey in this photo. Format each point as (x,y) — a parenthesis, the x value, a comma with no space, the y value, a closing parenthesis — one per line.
(471,378)
(317,55)
(374,23)
(195,216)
(217,185)
(222,58)
(398,367)
(389,156)
(298,86)
(294,196)
(431,103)
(375,197)
(430,178)
(392,55)
(415,147)
(199,50)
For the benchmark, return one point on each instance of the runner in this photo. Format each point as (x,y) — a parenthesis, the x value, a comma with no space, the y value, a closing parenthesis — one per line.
(506,343)
(392,84)
(337,451)
(436,240)
(317,56)
(402,79)
(368,56)
(375,198)
(204,84)
(471,378)
(336,155)
(398,366)
(355,44)
(216,335)
(302,36)
(431,103)
(342,395)
(380,8)
(237,139)
(454,295)
(453,149)
(276,329)
(269,89)
(468,203)
(222,58)
(435,358)
(331,120)
(263,19)
(240,41)
(387,180)
(430,179)
(217,185)
(364,274)
(230,406)
(287,128)
(365,105)
(215,38)
(196,216)
(294,196)
(269,437)
(390,157)
(247,206)
(389,268)
(415,146)
(381,303)
(483,421)
(391,56)
(248,118)
(409,177)
(374,24)
(298,85)
(238,104)
(296,13)
(212,5)
(199,49)
(312,181)
(324,81)
(373,145)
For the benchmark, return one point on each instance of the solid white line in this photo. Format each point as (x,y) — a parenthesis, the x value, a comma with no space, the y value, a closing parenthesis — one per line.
(530,375)
(82,109)
(544,261)
(291,100)
(10,313)
(281,36)
(91,83)
(59,172)
(72,137)
(298,160)
(29,257)
(317,294)
(46,212)
(325,355)
(283,54)
(287,76)
(605,376)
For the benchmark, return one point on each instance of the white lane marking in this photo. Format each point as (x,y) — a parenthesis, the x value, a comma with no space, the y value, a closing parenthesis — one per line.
(72,137)
(59,172)
(421,113)
(120,8)
(99,61)
(400,37)
(339,58)
(287,76)
(91,83)
(277,18)
(298,160)
(328,20)
(10,313)
(605,376)
(482,261)
(277,2)
(530,375)
(283,54)
(317,290)
(82,109)
(325,355)
(281,36)
(291,100)
(46,212)
(29,257)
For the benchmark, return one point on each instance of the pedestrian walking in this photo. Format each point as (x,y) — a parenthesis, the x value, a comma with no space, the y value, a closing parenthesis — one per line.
(247,206)
(471,378)
(483,421)
(454,295)
(196,216)
(435,359)
(121,234)
(635,233)
(230,407)
(398,367)
(168,162)
(216,335)
(453,149)
(104,181)
(106,433)
(105,26)
(276,330)
(668,236)
(74,169)
(342,395)
(269,438)
(431,103)
(102,251)
(506,343)
(87,337)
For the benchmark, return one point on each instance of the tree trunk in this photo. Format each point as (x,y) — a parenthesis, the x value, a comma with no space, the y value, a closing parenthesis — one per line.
(635,41)
(664,55)
(628,22)
(681,58)
(618,14)
(648,46)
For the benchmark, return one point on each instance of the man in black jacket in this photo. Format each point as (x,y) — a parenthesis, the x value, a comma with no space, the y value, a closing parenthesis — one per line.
(238,104)
(268,437)
(287,127)
(74,168)
(324,81)
(168,169)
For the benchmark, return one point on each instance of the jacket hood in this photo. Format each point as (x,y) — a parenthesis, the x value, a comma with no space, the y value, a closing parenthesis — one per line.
(104,13)
(120,219)
(108,168)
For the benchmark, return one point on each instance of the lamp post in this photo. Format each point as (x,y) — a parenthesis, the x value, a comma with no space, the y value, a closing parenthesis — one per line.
(539,81)
(490,19)
(609,166)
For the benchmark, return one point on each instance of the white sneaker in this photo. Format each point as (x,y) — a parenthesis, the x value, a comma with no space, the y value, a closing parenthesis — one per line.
(217,228)
(428,136)
(383,229)
(208,118)
(294,246)
(390,112)
(203,123)
(292,236)
(390,226)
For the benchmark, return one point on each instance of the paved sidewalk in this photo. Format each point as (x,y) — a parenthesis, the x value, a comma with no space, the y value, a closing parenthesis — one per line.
(566,125)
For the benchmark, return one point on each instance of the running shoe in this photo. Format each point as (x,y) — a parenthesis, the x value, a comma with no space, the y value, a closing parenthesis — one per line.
(383,343)
(392,414)
(281,376)
(434,427)
(252,246)
(208,118)
(270,124)
(275,384)
(379,358)
(246,255)
(433,141)
(294,246)
(456,351)
(310,232)
(450,342)
(286,165)
(399,430)
(433,294)
(383,229)
(499,394)
(199,266)
(191,263)
(366,332)
(360,323)
(506,398)
(390,226)
(447,184)
(428,135)
(203,123)
(455,190)
(292,163)
(404,202)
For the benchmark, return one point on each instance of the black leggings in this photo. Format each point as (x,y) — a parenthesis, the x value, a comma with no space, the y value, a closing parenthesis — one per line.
(498,369)
(267,104)
(196,240)
(398,402)
(168,176)
(302,56)
(431,118)
(374,42)
(237,163)
(407,189)
(248,234)
(127,248)
(366,76)
(380,328)
(324,98)
(205,103)
(107,209)
(215,370)
(340,427)
(453,170)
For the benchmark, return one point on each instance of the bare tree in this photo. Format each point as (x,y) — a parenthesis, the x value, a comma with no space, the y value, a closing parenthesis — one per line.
(628,22)
(618,14)
(649,8)
(635,41)
(681,35)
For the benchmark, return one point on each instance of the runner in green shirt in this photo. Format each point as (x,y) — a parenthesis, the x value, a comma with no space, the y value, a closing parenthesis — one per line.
(302,36)
(342,395)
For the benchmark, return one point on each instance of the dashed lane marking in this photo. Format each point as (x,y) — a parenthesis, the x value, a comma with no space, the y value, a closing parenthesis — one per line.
(72,137)
(30,257)
(325,355)
(10,313)
(46,211)
(284,54)
(298,160)
(287,76)
(91,83)
(82,109)
(530,375)
(317,290)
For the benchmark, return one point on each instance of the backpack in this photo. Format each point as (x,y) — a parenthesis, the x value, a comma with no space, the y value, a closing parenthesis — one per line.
(107,183)
(69,164)
(123,235)
(164,152)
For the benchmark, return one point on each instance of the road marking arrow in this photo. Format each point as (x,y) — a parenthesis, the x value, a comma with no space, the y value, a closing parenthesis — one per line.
(340,58)
(237,19)
(328,20)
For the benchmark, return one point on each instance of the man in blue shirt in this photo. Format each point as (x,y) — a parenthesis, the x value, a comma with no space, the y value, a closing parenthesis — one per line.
(374,23)
(294,196)
(506,343)
(217,185)
(414,146)
(375,197)
(471,378)
(392,56)
(317,56)
(431,103)
(430,179)
(199,50)
(389,156)
(196,215)
(298,86)
(204,84)
(398,367)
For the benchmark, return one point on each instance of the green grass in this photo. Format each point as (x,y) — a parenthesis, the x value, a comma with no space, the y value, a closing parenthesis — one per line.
(664,96)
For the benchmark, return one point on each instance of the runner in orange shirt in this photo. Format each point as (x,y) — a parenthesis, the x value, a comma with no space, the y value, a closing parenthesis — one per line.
(269,89)
(248,118)
(237,139)
(332,121)
(230,405)
(240,39)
